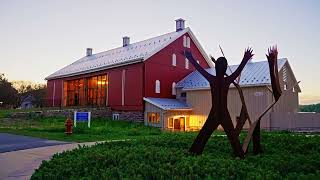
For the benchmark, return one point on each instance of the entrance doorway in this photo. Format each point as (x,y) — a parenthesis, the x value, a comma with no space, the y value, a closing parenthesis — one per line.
(178,123)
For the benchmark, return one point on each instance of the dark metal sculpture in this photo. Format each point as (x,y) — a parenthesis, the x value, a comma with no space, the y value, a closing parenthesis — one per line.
(219,113)
(254,130)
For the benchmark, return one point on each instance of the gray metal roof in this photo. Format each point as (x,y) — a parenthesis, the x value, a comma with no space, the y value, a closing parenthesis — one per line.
(168,104)
(122,55)
(253,74)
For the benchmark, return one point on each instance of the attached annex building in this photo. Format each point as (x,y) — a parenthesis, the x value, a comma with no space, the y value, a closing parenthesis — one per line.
(152,81)
(192,105)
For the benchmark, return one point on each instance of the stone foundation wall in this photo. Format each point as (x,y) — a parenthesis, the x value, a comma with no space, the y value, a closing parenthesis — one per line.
(95,113)
(135,116)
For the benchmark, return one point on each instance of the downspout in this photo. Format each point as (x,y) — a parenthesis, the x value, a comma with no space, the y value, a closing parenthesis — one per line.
(54,93)
(143,85)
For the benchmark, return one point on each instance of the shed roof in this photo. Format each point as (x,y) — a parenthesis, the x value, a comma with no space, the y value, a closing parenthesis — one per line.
(133,53)
(168,104)
(253,74)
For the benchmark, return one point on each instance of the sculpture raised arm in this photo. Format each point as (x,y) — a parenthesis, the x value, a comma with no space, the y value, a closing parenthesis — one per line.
(247,56)
(200,69)
(272,57)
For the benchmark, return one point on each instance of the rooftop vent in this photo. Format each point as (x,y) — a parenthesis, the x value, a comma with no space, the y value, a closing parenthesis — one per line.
(126,41)
(89,51)
(179,24)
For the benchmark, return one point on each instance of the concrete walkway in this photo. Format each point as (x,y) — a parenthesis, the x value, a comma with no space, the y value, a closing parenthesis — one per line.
(21,164)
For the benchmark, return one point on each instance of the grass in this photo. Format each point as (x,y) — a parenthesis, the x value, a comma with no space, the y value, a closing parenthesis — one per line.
(5,112)
(154,154)
(54,128)
(286,156)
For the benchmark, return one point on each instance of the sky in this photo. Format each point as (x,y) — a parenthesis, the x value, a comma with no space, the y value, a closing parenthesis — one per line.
(38,37)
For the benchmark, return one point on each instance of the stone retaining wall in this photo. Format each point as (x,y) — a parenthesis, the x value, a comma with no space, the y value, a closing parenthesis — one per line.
(136,116)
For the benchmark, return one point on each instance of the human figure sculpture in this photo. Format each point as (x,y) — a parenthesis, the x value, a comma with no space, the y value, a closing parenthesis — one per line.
(219,114)
(254,130)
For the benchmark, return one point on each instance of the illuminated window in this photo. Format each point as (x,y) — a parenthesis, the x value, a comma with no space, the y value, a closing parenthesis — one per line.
(188,42)
(174,60)
(174,92)
(90,91)
(157,86)
(186,63)
(170,123)
(184,41)
(285,87)
(153,118)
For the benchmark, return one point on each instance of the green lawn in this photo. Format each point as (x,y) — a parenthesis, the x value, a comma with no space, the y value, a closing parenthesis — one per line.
(54,128)
(5,112)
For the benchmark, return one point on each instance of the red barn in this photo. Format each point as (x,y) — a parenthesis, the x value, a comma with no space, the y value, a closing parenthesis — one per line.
(120,78)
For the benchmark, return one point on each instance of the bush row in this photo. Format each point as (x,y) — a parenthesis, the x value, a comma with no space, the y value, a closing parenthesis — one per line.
(286,155)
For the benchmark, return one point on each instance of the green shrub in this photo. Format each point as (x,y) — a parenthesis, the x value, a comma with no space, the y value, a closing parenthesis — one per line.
(286,156)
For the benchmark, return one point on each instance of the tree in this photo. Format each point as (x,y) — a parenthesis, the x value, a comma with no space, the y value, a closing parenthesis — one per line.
(37,91)
(310,108)
(23,86)
(8,94)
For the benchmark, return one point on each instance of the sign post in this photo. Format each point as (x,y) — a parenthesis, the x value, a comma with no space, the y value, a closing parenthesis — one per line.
(82,117)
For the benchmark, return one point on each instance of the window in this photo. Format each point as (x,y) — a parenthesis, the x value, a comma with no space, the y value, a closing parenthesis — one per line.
(174,88)
(284,73)
(157,86)
(170,123)
(184,94)
(174,60)
(285,87)
(184,41)
(91,91)
(188,42)
(186,63)
(293,90)
(115,116)
(153,117)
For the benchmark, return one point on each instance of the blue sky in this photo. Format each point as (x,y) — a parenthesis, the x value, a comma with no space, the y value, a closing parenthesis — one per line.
(37,37)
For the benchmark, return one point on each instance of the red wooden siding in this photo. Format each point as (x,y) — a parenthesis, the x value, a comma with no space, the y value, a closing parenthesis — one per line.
(133,92)
(54,95)
(159,67)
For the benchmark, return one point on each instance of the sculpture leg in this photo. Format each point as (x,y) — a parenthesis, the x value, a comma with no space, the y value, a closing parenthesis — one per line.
(256,139)
(202,138)
(233,138)
(241,122)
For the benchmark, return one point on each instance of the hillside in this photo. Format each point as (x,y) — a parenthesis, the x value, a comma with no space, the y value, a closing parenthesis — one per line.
(310,108)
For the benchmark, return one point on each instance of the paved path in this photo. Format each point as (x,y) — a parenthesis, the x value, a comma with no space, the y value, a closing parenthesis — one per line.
(11,142)
(21,164)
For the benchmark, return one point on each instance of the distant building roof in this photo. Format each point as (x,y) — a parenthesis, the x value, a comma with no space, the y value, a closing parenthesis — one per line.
(132,53)
(253,74)
(27,98)
(168,104)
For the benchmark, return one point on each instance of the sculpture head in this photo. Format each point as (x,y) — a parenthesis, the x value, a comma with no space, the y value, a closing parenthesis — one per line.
(221,66)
